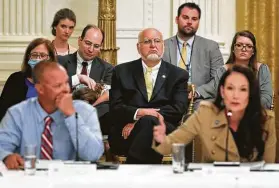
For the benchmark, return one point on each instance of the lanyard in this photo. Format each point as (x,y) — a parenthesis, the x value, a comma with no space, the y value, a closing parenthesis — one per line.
(186,64)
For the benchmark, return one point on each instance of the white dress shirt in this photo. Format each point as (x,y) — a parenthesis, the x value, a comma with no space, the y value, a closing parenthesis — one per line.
(75,80)
(154,74)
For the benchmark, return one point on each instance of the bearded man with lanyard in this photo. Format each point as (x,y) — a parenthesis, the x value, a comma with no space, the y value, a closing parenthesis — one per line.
(199,56)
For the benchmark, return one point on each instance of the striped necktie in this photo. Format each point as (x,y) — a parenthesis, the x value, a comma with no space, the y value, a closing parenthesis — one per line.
(46,140)
(183,59)
(148,82)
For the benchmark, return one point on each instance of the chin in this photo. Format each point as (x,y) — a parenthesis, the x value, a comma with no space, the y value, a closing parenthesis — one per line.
(237,109)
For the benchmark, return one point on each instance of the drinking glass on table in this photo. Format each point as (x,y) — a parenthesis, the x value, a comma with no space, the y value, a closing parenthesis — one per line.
(30,159)
(178,157)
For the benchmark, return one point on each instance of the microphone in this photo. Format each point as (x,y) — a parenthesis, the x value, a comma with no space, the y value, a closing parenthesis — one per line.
(77,144)
(229,115)
(226,162)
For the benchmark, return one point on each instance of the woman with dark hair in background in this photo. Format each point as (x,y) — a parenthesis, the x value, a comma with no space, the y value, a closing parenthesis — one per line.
(244,52)
(63,26)
(20,86)
(251,135)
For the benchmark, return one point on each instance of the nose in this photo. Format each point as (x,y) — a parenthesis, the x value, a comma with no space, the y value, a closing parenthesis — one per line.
(244,48)
(235,94)
(91,48)
(66,88)
(189,21)
(152,44)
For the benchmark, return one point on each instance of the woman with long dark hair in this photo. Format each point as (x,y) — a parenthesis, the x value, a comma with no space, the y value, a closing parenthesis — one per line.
(251,135)
(244,52)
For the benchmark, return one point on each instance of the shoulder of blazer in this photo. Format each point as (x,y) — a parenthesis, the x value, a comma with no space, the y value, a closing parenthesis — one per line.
(170,40)
(202,40)
(174,68)
(269,114)
(103,62)
(129,64)
(18,79)
(70,58)
(209,105)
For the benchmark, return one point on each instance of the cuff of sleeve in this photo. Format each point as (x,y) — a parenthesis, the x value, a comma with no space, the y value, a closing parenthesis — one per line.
(4,154)
(135,115)
(75,80)
(199,96)
(106,88)
(164,148)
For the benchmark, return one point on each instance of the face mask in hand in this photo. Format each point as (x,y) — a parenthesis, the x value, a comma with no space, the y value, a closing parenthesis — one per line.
(33,62)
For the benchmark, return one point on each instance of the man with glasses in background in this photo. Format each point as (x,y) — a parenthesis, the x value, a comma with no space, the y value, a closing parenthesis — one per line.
(142,91)
(84,67)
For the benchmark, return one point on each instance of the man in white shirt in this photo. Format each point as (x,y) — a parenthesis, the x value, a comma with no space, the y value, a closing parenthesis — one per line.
(141,91)
(84,67)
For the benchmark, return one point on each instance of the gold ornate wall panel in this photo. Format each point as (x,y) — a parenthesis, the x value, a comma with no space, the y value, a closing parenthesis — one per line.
(107,22)
(262,18)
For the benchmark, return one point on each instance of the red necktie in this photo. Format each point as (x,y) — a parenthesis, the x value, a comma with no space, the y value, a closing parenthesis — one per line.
(46,142)
(84,68)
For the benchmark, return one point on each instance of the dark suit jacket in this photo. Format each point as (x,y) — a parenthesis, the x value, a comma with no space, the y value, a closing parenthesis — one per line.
(14,92)
(128,92)
(100,70)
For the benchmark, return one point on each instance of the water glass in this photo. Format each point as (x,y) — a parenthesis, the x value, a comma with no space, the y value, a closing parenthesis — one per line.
(178,157)
(30,159)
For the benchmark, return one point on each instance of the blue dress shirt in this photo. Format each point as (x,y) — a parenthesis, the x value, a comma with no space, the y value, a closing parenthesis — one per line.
(23,125)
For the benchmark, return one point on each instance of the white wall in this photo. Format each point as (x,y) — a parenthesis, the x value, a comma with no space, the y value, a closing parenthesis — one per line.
(217,22)
(24,20)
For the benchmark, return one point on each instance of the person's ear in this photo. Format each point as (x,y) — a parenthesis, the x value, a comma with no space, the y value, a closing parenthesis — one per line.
(176,19)
(79,41)
(39,88)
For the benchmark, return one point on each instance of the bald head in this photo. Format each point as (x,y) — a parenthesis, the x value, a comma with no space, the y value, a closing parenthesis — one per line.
(44,67)
(147,31)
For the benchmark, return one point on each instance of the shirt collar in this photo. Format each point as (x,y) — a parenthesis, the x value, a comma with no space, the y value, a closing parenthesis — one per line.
(155,68)
(42,114)
(190,41)
(80,60)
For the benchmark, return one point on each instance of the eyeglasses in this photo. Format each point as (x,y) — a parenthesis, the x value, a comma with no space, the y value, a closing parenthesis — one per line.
(156,41)
(89,44)
(240,46)
(36,55)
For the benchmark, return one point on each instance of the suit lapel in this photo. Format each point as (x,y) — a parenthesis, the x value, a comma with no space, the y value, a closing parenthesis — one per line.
(95,71)
(173,50)
(72,64)
(139,78)
(194,62)
(160,80)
